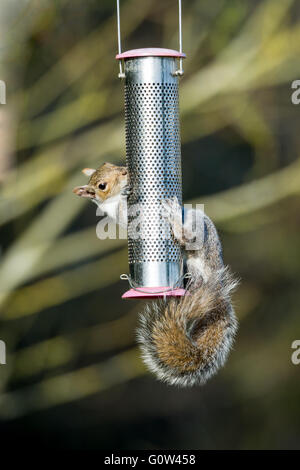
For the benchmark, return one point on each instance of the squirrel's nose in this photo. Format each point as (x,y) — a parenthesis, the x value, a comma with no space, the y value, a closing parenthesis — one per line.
(84,191)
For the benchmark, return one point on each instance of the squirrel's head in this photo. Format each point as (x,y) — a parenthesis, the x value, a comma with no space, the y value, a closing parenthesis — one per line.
(105,182)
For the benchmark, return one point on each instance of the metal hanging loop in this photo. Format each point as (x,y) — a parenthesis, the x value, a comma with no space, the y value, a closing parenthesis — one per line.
(178,72)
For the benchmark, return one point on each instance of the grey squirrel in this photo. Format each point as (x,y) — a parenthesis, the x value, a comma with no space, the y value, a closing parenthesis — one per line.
(183,341)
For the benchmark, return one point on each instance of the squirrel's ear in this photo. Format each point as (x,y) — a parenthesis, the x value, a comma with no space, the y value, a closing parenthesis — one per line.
(88,171)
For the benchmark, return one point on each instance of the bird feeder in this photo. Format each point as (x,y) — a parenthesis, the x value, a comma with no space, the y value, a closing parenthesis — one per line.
(153,156)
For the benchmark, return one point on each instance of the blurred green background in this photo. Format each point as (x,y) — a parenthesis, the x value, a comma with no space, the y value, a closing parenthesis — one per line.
(74,378)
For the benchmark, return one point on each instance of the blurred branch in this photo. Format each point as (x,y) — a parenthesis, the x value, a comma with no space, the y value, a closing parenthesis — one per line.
(72,386)
(276,63)
(61,350)
(65,119)
(230,69)
(7,141)
(74,248)
(69,285)
(253,196)
(82,57)
(250,122)
(26,252)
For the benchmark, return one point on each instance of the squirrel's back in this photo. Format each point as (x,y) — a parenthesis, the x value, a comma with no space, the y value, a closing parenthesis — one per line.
(184,342)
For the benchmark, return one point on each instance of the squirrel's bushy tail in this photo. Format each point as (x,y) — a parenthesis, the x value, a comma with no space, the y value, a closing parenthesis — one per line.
(184,342)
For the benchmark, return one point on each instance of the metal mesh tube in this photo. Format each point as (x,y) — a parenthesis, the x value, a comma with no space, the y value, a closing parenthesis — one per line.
(154,163)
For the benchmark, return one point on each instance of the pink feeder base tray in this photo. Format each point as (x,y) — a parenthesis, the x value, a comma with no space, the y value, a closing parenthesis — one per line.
(152,292)
(150,52)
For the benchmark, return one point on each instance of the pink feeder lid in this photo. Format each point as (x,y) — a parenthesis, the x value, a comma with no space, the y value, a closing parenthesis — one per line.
(150,51)
(151,292)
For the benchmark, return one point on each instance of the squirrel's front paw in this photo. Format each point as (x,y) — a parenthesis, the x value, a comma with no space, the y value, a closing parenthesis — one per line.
(171,209)
(172,212)
(126,191)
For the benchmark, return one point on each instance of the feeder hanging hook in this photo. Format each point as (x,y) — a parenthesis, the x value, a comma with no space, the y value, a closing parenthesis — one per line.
(178,72)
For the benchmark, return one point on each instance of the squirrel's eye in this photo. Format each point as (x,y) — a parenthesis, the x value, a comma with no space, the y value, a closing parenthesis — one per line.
(102,186)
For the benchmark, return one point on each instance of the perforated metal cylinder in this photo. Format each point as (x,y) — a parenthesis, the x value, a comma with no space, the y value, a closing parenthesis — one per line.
(154,162)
